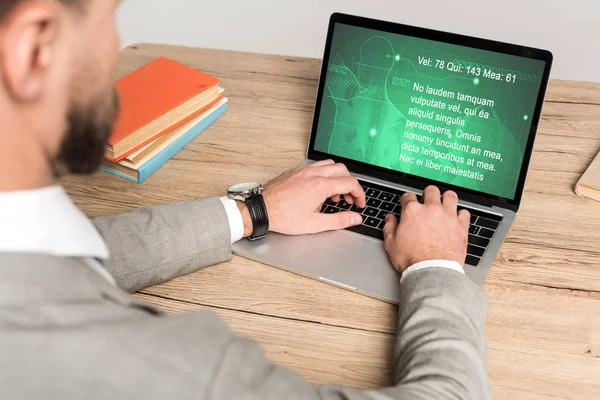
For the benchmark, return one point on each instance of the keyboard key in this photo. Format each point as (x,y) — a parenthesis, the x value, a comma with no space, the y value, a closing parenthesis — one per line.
(357,209)
(323,207)
(370,212)
(397,210)
(478,241)
(330,202)
(386,206)
(474,230)
(472,260)
(487,223)
(343,205)
(382,214)
(473,218)
(331,210)
(373,202)
(373,222)
(475,251)
(372,193)
(396,199)
(367,231)
(381,224)
(488,233)
(386,196)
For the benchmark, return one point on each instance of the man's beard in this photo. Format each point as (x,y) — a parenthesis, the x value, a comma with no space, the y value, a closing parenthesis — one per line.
(88,131)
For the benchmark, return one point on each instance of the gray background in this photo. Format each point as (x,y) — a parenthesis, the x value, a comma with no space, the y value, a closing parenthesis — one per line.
(568,28)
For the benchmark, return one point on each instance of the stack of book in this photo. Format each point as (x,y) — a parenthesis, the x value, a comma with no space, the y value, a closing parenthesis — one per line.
(164,106)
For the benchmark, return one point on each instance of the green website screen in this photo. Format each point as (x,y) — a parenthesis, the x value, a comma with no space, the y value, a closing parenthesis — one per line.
(450,113)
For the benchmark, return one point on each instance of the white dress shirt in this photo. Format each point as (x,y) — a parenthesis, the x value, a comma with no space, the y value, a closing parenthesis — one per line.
(46,221)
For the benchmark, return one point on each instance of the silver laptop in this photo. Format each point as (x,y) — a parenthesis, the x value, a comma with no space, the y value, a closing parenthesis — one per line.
(403,108)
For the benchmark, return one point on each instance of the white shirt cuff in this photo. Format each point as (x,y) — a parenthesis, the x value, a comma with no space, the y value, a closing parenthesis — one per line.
(453,265)
(234,216)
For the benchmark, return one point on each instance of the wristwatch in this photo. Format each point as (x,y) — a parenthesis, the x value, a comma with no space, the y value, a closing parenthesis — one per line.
(252,194)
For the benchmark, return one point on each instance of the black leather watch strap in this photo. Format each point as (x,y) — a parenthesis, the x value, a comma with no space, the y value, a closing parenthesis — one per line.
(260,218)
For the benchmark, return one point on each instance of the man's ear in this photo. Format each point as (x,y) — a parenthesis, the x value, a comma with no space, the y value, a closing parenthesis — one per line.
(27,46)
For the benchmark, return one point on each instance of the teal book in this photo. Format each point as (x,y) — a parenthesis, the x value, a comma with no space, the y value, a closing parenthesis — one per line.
(140,174)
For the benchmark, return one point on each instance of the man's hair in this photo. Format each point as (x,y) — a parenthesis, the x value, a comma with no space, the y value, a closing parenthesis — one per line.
(6,6)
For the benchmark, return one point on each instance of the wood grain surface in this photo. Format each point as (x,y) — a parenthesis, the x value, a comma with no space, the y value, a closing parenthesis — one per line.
(543,327)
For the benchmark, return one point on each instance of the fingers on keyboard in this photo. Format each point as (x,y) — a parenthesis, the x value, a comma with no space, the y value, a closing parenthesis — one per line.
(380,203)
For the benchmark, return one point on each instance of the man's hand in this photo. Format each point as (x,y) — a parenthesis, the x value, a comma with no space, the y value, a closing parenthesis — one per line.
(429,231)
(294,200)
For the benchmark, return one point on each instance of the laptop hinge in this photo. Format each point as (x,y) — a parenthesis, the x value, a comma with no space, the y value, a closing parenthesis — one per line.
(390,180)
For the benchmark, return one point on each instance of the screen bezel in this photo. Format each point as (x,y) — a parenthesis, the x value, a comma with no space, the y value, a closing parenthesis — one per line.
(423,33)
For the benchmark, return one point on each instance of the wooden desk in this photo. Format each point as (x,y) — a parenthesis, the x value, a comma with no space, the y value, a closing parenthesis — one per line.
(543,327)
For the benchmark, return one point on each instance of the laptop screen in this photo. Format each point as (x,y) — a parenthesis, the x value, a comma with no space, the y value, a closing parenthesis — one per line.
(449,113)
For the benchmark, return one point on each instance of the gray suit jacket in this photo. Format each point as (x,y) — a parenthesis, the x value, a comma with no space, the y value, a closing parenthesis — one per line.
(67,333)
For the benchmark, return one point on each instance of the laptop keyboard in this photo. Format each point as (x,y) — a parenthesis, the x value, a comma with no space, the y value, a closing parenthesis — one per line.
(383,200)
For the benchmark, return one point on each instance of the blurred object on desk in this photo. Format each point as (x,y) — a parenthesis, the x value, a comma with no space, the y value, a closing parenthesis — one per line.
(589,184)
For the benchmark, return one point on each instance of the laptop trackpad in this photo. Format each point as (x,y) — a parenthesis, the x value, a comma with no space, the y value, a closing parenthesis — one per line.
(341,258)
(351,260)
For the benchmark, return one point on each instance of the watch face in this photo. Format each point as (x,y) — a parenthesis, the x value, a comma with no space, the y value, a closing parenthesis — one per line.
(244,188)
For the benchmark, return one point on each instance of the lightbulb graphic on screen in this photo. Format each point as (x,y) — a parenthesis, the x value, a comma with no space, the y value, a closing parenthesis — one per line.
(441,111)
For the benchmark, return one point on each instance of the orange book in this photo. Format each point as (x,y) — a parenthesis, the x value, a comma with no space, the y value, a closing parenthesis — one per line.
(589,184)
(155,99)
